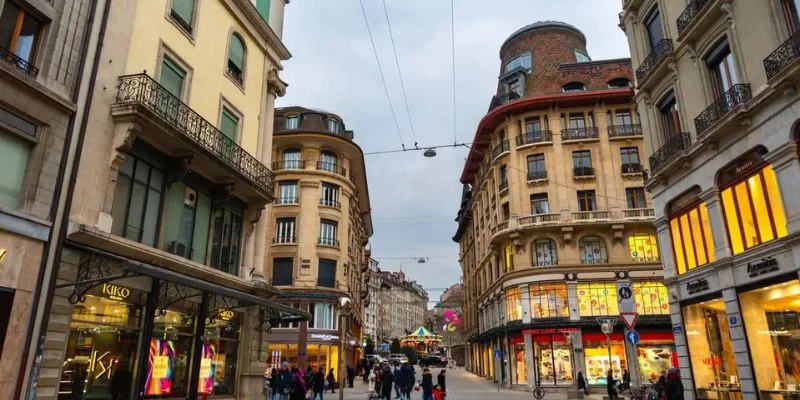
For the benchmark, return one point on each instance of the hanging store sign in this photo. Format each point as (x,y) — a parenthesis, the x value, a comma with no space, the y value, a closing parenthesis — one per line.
(549,331)
(742,166)
(763,266)
(115,292)
(697,286)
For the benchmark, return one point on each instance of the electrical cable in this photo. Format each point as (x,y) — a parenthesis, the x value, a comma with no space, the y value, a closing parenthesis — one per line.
(383,78)
(453,54)
(417,148)
(399,73)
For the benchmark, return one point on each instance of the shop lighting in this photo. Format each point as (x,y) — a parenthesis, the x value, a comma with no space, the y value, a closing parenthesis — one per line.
(3,253)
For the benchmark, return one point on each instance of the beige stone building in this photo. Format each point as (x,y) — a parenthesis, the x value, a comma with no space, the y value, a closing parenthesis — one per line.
(716,88)
(404,305)
(319,227)
(161,274)
(555,227)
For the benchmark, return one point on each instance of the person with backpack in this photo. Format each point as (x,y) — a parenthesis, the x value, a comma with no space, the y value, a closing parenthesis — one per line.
(387,381)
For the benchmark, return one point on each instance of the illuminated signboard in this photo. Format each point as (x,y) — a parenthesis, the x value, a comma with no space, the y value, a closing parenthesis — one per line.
(115,292)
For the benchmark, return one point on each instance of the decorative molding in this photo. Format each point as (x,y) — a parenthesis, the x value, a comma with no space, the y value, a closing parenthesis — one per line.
(275,85)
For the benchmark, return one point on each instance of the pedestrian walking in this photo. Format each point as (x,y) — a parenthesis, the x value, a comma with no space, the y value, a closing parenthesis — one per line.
(273,384)
(427,385)
(351,375)
(283,383)
(365,365)
(441,382)
(582,383)
(331,381)
(674,387)
(626,380)
(661,385)
(318,384)
(377,372)
(407,380)
(396,376)
(611,385)
(387,380)
(121,382)
(299,387)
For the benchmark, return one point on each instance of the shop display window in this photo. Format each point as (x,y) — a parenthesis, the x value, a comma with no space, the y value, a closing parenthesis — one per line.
(554,358)
(220,353)
(513,304)
(597,298)
(656,355)
(772,323)
(601,355)
(711,350)
(651,298)
(549,300)
(103,338)
(643,247)
(691,238)
(520,366)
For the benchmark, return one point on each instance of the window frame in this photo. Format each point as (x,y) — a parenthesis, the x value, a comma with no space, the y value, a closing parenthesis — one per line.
(13,126)
(285,230)
(578,53)
(189,33)
(635,239)
(160,208)
(634,192)
(275,260)
(22,14)
(238,80)
(616,83)
(328,226)
(173,57)
(573,87)
(790,15)
(332,125)
(325,163)
(669,116)
(537,161)
(652,20)
(281,199)
(287,122)
(721,66)
(553,248)
(329,194)
(603,257)
(227,108)
(584,196)
(678,237)
(519,56)
(629,153)
(328,262)
(235,258)
(291,163)
(538,198)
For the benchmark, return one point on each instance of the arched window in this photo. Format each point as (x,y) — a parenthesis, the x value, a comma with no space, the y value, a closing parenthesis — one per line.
(327,161)
(236,57)
(593,250)
(543,252)
(573,87)
(643,247)
(291,159)
(619,83)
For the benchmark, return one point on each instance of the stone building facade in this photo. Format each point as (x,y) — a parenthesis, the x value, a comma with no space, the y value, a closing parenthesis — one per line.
(404,305)
(372,306)
(716,88)
(554,221)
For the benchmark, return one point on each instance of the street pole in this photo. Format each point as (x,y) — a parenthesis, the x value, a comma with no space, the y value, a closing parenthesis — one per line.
(342,352)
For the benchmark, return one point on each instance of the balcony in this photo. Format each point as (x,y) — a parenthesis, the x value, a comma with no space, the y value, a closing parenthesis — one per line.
(499,227)
(288,165)
(591,216)
(674,146)
(579,134)
(583,172)
(652,62)
(288,200)
(737,95)
(539,219)
(535,137)
(502,186)
(17,62)
(536,175)
(284,240)
(688,15)
(632,169)
(639,213)
(329,203)
(500,148)
(172,126)
(331,167)
(785,56)
(624,131)
(330,242)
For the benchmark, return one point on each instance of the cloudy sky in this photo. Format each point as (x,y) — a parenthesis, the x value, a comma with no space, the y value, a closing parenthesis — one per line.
(415,199)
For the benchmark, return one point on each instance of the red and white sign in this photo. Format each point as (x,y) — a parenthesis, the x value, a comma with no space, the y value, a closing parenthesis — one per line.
(629,318)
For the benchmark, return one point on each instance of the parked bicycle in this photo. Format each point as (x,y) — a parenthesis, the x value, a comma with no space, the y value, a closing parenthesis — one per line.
(538,390)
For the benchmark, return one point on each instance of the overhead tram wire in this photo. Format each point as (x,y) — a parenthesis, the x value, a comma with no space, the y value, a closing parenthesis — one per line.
(423,148)
(400,74)
(383,78)
(453,54)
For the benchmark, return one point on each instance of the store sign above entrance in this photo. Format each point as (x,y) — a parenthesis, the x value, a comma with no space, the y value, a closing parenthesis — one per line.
(549,331)
(324,337)
(115,292)
(763,266)
(742,166)
(697,286)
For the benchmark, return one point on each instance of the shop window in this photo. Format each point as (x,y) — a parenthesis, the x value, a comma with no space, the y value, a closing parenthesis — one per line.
(651,298)
(656,354)
(236,58)
(544,252)
(220,353)
(691,238)
(593,250)
(291,159)
(753,210)
(137,200)
(282,271)
(14,153)
(513,304)
(539,204)
(643,247)
(517,344)
(508,258)
(19,32)
(602,355)
(549,300)
(554,359)
(279,353)
(711,349)
(597,299)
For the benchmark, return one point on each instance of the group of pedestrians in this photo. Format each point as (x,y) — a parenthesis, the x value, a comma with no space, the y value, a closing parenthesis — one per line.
(294,384)
(402,380)
(667,387)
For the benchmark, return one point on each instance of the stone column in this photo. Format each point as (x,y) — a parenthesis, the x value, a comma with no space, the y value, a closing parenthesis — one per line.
(740,348)
(786,165)
(529,350)
(717,222)
(681,347)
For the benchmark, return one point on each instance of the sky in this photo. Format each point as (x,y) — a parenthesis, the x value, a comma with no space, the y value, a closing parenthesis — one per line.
(415,199)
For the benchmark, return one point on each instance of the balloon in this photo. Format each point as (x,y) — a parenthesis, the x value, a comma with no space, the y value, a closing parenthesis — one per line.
(448,314)
(451,328)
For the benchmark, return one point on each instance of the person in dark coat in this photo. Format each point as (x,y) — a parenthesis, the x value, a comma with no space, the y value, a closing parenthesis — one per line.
(427,385)
(407,380)
(366,367)
(273,384)
(78,380)
(331,381)
(441,382)
(284,380)
(318,383)
(582,383)
(121,382)
(673,389)
(626,380)
(378,377)
(299,387)
(387,381)
(351,376)
(611,385)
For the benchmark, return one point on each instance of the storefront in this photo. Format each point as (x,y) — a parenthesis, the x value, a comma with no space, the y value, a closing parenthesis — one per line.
(322,350)
(520,368)
(553,359)
(655,354)
(602,354)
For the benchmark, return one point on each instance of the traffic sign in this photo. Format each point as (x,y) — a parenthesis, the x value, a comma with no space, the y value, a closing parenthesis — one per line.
(625,295)
(632,337)
(629,318)
(625,292)
(497,354)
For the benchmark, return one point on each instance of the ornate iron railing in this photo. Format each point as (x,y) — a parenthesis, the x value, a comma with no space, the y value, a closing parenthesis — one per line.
(624,130)
(500,148)
(647,66)
(539,219)
(583,171)
(689,13)
(142,90)
(639,213)
(785,55)
(535,137)
(18,62)
(738,94)
(632,168)
(674,145)
(534,175)
(579,133)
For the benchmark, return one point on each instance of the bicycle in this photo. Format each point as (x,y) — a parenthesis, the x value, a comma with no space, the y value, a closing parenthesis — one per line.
(538,391)
(639,393)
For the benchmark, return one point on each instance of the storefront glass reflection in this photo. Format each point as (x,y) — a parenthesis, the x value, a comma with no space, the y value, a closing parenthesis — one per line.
(655,354)
(602,355)
(218,365)
(554,358)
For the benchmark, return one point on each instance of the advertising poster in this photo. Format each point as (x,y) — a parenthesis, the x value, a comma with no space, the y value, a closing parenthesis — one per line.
(160,368)
(207,367)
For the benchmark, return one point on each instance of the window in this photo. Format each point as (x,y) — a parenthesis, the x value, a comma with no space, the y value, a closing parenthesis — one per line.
(619,83)
(582,163)
(581,56)
(630,160)
(593,250)
(282,271)
(691,238)
(650,297)
(287,192)
(137,201)
(521,61)
(508,258)
(623,118)
(513,304)
(597,298)
(229,125)
(544,253)
(226,237)
(586,200)
(653,26)
(14,153)
(790,8)
(327,233)
(643,247)
(326,276)
(236,58)
(549,300)
(753,210)
(503,177)
(182,11)
(573,87)
(262,6)
(323,316)
(285,230)
(291,159)
(539,204)
(292,122)
(172,77)
(670,120)
(506,212)
(327,161)
(330,195)
(182,214)
(635,198)
(722,68)
(536,167)
(19,32)
(533,125)
(333,125)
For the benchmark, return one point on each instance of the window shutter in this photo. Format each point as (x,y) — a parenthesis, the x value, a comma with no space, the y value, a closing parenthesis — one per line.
(172,77)
(202,224)
(236,52)
(229,124)
(263,9)
(13,162)
(184,9)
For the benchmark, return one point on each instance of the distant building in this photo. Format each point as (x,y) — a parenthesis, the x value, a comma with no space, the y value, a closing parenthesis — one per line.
(403,305)
(372,305)
(452,331)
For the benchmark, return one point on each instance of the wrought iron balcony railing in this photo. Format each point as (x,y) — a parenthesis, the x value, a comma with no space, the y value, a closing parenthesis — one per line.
(534,137)
(738,94)
(583,171)
(689,13)
(661,49)
(624,130)
(500,148)
(288,164)
(632,168)
(329,203)
(331,167)
(579,133)
(784,56)
(142,90)
(18,62)
(534,175)
(674,145)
